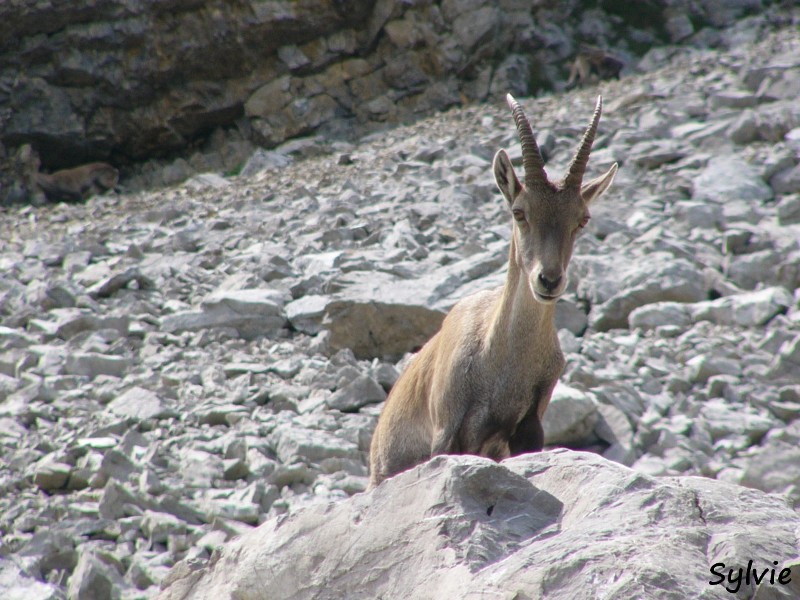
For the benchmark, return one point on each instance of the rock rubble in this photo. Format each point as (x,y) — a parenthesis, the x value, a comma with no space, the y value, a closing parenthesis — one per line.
(178,366)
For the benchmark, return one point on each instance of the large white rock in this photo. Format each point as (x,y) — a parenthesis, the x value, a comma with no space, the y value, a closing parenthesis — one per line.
(553,525)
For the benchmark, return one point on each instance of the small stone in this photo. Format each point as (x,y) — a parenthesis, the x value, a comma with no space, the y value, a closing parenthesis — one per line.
(789,210)
(52,476)
(660,314)
(139,404)
(93,579)
(361,391)
(305,314)
(158,526)
(704,366)
(570,417)
(93,364)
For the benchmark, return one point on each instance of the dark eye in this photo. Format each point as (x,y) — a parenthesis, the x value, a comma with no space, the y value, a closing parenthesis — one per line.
(584,222)
(519,214)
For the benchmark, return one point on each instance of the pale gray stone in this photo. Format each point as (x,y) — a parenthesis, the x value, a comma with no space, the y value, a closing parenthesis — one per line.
(139,404)
(305,314)
(660,314)
(675,281)
(93,364)
(728,178)
(94,579)
(15,584)
(252,313)
(481,528)
(751,309)
(786,182)
(570,417)
(313,445)
(789,210)
(50,475)
(357,393)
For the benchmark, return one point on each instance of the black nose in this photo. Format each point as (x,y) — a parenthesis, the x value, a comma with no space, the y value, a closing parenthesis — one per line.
(548,282)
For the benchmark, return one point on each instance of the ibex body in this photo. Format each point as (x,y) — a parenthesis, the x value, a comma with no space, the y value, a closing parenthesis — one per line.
(593,64)
(481,385)
(78,183)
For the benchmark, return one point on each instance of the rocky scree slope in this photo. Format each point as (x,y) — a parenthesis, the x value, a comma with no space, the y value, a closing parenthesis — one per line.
(177,366)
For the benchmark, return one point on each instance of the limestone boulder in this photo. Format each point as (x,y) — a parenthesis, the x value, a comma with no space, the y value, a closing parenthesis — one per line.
(550,524)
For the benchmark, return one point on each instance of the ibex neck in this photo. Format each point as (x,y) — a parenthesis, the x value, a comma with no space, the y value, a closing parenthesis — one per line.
(518,316)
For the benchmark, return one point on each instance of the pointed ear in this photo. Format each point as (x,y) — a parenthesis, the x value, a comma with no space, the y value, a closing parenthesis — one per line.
(592,189)
(505,176)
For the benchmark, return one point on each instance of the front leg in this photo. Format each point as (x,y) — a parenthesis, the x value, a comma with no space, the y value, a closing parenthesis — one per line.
(445,440)
(529,434)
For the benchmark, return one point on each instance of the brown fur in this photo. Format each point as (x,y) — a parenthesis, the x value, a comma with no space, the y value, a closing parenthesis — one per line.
(481,385)
(78,183)
(593,64)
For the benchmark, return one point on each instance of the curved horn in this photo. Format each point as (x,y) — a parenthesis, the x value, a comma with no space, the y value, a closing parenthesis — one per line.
(531,157)
(577,167)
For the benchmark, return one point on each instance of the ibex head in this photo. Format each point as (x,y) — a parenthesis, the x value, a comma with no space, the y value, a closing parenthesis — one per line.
(548,215)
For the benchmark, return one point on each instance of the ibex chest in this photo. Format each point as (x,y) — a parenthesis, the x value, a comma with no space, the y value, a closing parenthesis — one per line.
(503,398)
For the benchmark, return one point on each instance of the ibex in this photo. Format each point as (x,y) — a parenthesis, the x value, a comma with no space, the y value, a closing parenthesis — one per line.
(78,183)
(593,63)
(481,385)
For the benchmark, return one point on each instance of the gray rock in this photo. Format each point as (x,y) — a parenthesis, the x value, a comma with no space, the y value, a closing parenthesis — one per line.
(305,314)
(16,585)
(728,177)
(157,526)
(787,362)
(570,417)
(571,316)
(93,364)
(72,321)
(703,367)
(724,420)
(358,393)
(94,579)
(786,182)
(478,508)
(751,309)
(139,404)
(614,428)
(252,313)
(312,445)
(112,284)
(50,475)
(379,329)
(789,210)
(774,467)
(654,153)
(676,281)
(660,314)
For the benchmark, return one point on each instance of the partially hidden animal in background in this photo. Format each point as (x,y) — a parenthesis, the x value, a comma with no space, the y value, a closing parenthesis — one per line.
(593,64)
(78,183)
(482,384)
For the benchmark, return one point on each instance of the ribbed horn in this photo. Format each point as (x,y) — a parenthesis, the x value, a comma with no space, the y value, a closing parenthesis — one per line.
(531,157)
(577,167)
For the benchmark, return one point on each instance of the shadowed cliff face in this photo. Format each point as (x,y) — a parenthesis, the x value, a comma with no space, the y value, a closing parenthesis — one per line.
(143,78)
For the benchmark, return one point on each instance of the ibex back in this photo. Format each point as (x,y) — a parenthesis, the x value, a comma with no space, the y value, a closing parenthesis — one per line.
(78,183)
(481,385)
